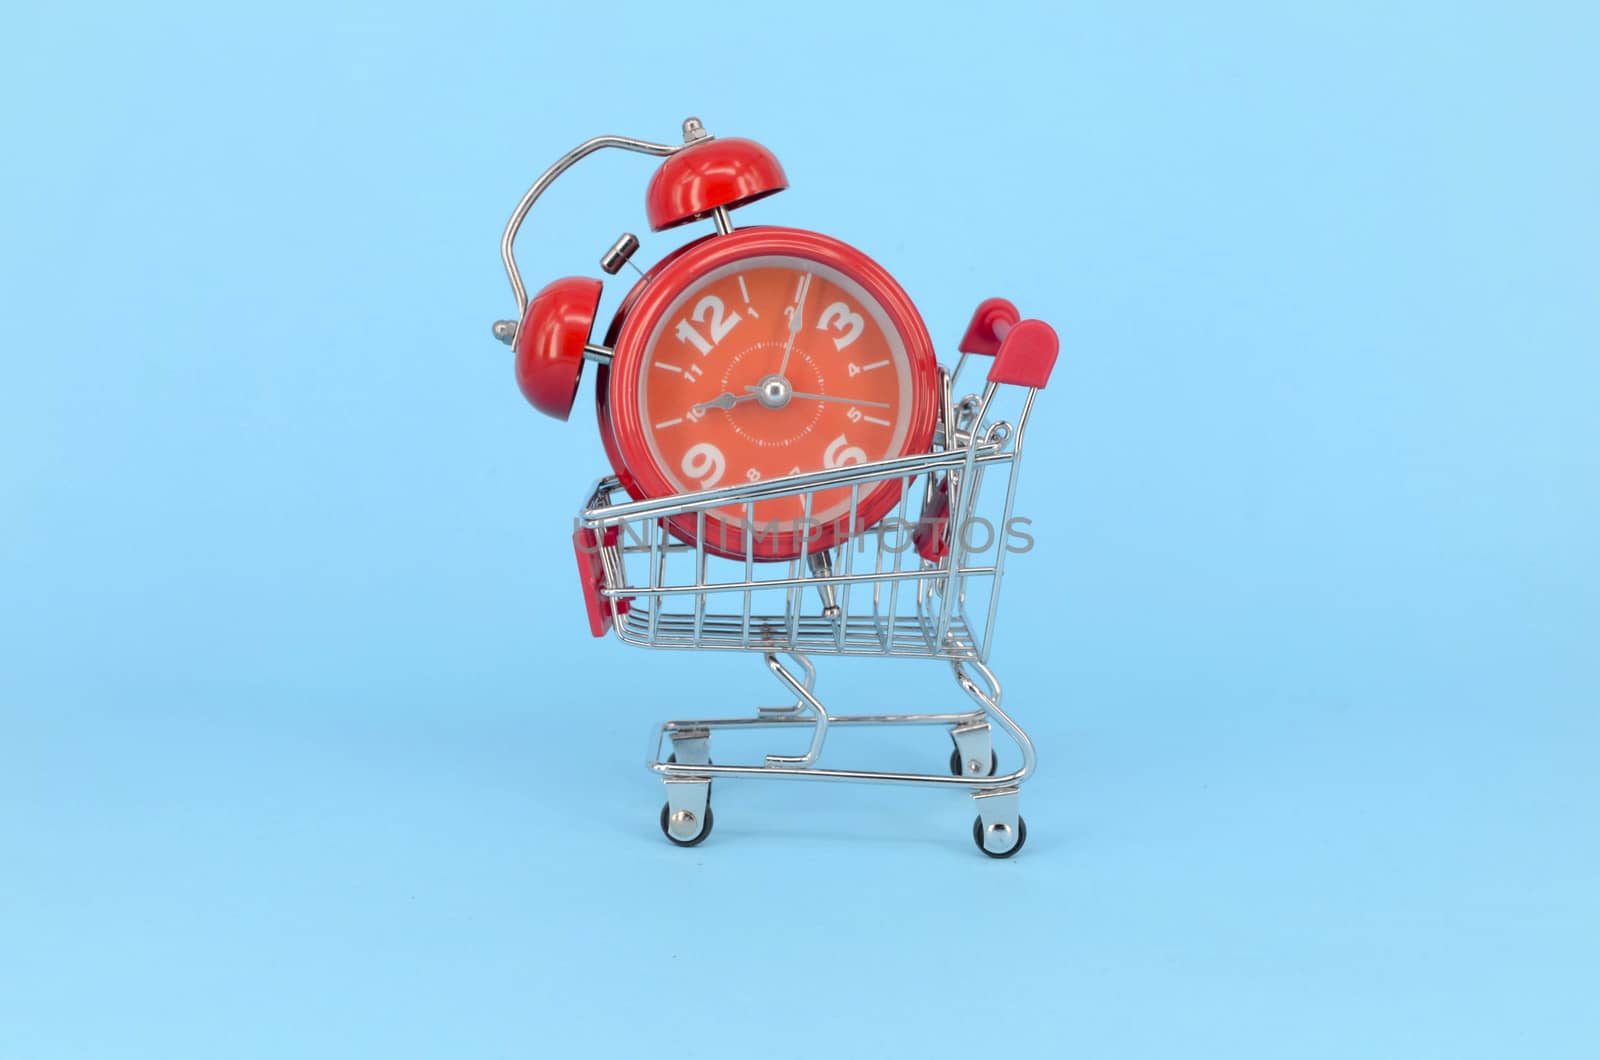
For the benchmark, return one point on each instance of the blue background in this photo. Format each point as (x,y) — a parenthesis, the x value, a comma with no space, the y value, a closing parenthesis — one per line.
(304,750)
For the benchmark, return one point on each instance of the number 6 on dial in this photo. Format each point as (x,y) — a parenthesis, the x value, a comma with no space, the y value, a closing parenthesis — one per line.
(840,453)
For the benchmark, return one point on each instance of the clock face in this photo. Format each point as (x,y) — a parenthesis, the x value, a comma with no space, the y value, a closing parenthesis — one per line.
(767,364)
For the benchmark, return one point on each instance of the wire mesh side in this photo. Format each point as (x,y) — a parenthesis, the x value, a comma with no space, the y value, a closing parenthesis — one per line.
(890,600)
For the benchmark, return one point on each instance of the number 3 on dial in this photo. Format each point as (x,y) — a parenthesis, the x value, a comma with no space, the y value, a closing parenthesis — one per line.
(843,319)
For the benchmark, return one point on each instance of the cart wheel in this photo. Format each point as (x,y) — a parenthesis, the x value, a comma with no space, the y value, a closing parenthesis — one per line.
(955,764)
(699,838)
(977,836)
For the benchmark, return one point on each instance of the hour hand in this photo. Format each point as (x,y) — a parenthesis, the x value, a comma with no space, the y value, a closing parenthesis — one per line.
(722,401)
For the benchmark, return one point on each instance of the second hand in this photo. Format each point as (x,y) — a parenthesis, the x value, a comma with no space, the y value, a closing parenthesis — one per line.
(833,397)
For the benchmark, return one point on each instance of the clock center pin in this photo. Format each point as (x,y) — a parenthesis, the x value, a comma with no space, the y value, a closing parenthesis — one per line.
(774,391)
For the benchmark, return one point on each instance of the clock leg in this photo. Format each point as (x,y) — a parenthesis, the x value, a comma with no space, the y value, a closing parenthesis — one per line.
(821,564)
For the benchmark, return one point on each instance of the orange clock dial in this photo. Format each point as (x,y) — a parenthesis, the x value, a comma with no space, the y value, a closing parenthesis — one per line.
(773,364)
(771,368)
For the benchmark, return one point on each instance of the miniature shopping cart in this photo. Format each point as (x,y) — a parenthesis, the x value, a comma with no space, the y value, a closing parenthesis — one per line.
(922,583)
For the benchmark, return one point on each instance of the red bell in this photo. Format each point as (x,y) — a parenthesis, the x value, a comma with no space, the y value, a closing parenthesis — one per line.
(550,341)
(701,177)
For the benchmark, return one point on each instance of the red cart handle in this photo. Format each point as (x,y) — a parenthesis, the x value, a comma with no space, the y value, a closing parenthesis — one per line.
(1024,351)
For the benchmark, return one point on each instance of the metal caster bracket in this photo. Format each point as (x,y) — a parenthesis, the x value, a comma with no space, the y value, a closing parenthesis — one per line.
(974,749)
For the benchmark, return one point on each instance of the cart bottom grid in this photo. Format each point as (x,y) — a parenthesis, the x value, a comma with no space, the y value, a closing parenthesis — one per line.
(909,637)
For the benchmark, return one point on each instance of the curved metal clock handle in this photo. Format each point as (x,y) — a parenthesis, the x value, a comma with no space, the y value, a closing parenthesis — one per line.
(693,132)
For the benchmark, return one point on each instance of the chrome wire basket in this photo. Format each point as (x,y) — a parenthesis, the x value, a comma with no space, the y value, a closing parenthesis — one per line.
(885,592)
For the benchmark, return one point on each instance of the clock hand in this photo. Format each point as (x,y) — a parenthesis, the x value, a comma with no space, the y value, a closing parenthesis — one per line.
(846,400)
(722,401)
(828,397)
(796,322)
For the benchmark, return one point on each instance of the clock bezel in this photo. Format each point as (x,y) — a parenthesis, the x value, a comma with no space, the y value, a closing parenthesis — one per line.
(621,424)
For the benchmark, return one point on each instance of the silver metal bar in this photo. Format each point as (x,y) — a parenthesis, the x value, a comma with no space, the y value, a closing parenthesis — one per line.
(817,644)
(548,177)
(961,362)
(879,619)
(894,584)
(700,575)
(656,530)
(796,596)
(848,548)
(818,734)
(989,699)
(794,711)
(962,494)
(947,407)
(934,780)
(983,404)
(768,721)
(611,574)
(749,562)
(1005,524)
(770,626)
(906,639)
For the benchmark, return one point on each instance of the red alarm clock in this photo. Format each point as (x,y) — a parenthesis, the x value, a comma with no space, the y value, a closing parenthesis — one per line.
(747,354)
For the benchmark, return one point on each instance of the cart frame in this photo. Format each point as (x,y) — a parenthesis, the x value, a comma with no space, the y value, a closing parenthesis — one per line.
(631,558)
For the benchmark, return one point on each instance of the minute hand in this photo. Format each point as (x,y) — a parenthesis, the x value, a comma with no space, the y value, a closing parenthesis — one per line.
(796,322)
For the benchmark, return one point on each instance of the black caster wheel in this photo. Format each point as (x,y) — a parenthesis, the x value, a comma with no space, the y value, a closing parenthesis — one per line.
(666,808)
(977,835)
(957,771)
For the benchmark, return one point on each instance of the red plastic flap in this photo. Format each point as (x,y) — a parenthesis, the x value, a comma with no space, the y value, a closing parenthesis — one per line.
(981,336)
(591,572)
(1026,355)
